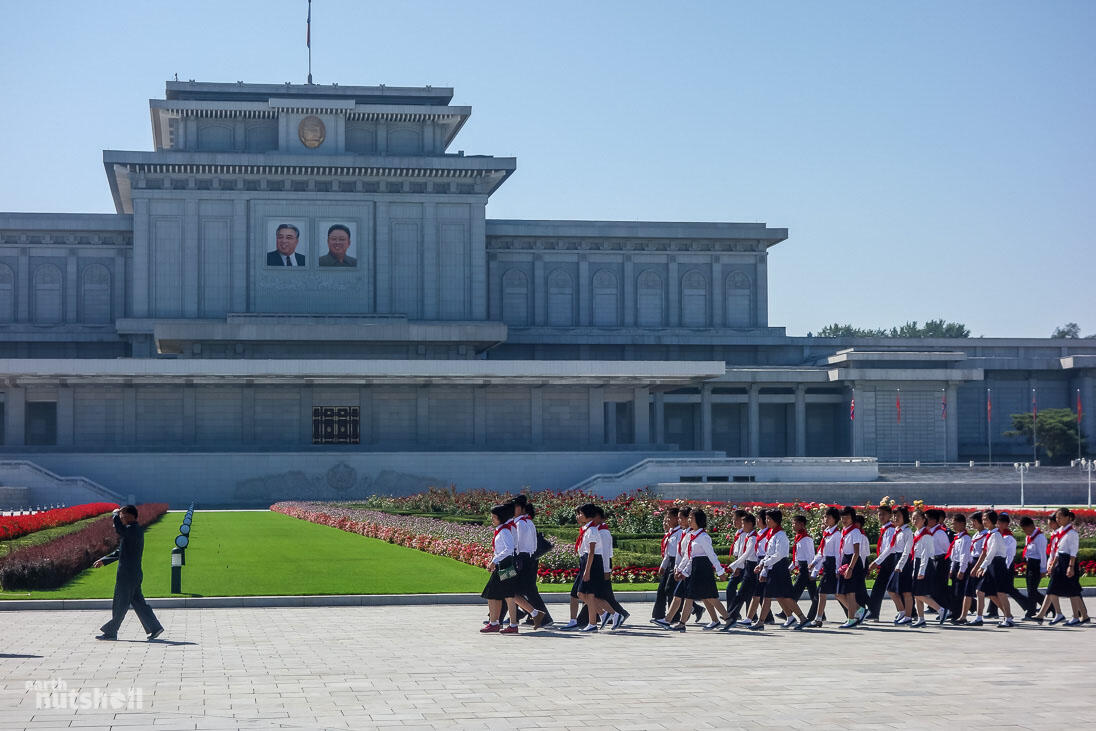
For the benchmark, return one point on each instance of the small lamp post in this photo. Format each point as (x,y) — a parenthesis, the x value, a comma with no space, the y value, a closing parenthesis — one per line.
(1021,468)
(1088,465)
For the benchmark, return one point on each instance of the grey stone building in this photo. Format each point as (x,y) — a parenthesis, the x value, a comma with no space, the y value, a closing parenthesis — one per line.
(301,295)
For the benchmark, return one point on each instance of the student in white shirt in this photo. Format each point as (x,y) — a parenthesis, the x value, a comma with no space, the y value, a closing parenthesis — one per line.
(525,545)
(958,557)
(592,588)
(584,524)
(885,559)
(499,590)
(900,585)
(993,569)
(699,568)
(670,537)
(977,543)
(826,562)
(615,613)
(1065,575)
(850,574)
(777,581)
(924,582)
(743,568)
(738,543)
(760,570)
(802,556)
(1035,564)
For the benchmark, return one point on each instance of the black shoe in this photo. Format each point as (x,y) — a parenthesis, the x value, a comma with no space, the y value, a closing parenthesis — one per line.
(155,633)
(106,637)
(781,616)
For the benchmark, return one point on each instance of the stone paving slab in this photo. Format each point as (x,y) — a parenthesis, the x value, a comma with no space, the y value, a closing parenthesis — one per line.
(428,667)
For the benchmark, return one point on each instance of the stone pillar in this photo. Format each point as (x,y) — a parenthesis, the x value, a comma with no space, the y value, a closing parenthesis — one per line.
(706,417)
(540,292)
(304,438)
(952,425)
(585,287)
(856,428)
(65,416)
(536,416)
(422,415)
(15,408)
(190,415)
(247,413)
(430,274)
(660,417)
(753,410)
(800,421)
(641,413)
(382,270)
(479,415)
(71,291)
(610,423)
(597,416)
(365,415)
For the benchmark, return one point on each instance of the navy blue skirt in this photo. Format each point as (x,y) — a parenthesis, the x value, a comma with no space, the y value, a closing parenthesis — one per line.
(924,586)
(854,583)
(995,578)
(700,583)
(1060,584)
(596,584)
(778,583)
(828,583)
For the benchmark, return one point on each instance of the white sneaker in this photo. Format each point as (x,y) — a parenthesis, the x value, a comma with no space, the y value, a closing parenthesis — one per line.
(898,619)
(712,625)
(789,622)
(1072,622)
(919,623)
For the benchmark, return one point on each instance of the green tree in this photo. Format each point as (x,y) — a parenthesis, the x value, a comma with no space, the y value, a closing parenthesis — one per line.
(1057,433)
(1069,330)
(912,329)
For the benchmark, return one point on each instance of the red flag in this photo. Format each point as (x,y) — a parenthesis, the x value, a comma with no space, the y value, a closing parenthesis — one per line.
(944,406)
(898,405)
(308,25)
(1078,410)
(852,409)
(989,407)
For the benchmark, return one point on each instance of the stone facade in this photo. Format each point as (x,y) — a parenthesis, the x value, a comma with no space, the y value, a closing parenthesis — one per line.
(176,324)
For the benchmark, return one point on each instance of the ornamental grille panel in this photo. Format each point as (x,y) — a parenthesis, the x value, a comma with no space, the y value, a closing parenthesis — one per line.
(336,425)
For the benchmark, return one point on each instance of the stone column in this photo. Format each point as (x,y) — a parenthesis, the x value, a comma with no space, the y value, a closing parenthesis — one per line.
(753,409)
(706,417)
(536,416)
(15,408)
(660,417)
(610,423)
(597,416)
(422,415)
(641,412)
(800,421)
(304,438)
(952,425)
(65,416)
(479,415)
(190,415)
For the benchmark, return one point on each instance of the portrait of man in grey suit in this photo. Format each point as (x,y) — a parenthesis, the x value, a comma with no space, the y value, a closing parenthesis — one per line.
(286,239)
(338,244)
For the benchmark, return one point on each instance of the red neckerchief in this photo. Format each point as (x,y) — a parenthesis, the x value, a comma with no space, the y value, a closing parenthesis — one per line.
(578,541)
(681,541)
(979,542)
(692,537)
(1034,534)
(799,535)
(1064,532)
(734,540)
(894,538)
(666,538)
(883,532)
(958,537)
(845,532)
(1052,543)
(746,544)
(523,516)
(602,526)
(764,535)
(920,534)
(498,530)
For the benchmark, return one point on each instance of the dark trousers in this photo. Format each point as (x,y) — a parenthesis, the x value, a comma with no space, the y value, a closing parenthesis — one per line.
(665,589)
(732,588)
(746,591)
(1034,573)
(958,590)
(804,581)
(1010,584)
(127,593)
(939,592)
(879,590)
(530,569)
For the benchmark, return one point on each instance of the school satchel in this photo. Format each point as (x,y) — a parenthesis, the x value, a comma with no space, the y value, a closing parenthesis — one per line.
(507,569)
(543,546)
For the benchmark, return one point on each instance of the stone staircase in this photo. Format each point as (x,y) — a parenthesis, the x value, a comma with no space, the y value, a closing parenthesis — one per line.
(24,483)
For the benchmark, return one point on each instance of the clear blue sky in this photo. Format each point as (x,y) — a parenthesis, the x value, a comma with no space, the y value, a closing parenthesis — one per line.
(931,159)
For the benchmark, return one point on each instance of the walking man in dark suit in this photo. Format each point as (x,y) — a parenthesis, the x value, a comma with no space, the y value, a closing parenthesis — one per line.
(127,587)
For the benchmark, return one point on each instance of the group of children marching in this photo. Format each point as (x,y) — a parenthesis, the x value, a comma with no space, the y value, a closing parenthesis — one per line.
(919,562)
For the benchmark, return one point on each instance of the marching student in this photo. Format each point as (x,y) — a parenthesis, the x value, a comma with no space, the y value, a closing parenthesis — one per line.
(592,587)
(1065,578)
(941,542)
(802,555)
(977,544)
(743,568)
(1028,605)
(993,569)
(760,570)
(670,537)
(1035,562)
(925,583)
(777,578)
(699,569)
(499,590)
(678,591)
(885,559)
(850,575)
(737,545)
(862,597)
(525,544)
(584,524)
(825,563)
(958,557)
(900,585)
(615,612)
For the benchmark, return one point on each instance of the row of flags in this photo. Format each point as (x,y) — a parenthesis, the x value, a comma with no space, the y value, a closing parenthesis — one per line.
(944,406)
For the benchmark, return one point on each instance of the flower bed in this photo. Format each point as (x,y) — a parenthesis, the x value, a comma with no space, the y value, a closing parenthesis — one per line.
(49,565)
(16,526)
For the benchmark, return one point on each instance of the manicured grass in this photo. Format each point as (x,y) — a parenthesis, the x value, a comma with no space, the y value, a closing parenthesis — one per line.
(262,553)
(45,535)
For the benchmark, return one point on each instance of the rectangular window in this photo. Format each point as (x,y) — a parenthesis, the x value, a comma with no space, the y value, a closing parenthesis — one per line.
(335,425)
(41,423)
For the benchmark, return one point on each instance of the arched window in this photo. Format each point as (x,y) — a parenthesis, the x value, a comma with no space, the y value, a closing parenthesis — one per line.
(606,296)
(649,300)
(405,140)
(739,312)
(95,294)
(694,299)
(561,299)
(46,294)
(214,137)
(7,294)
(515,298)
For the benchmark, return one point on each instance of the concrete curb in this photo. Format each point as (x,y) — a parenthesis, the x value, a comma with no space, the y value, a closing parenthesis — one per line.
(344,600)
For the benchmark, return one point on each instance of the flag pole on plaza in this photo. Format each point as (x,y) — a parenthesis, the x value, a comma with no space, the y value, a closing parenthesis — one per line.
(308,40)
(944,418)
(989,424)
(1034,427)
(898,408)
(852,423)
(1078,425)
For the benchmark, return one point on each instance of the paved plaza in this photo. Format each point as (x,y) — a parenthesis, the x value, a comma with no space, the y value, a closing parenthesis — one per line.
(427,667)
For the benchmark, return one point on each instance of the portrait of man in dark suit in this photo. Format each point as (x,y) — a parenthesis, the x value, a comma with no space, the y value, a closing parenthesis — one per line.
(338,247)
(286,239)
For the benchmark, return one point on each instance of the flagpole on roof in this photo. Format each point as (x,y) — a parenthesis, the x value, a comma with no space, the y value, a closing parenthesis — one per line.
(308,40)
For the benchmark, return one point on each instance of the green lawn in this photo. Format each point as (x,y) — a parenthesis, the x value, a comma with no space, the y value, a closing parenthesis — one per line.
(264,553)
